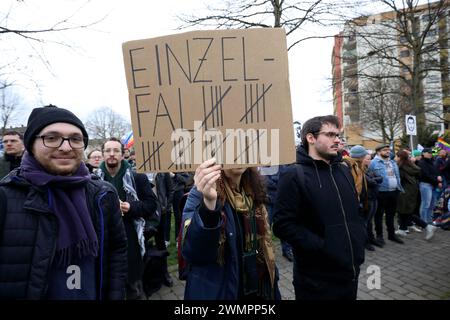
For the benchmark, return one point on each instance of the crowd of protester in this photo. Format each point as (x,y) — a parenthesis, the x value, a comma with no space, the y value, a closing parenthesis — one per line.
(62,208)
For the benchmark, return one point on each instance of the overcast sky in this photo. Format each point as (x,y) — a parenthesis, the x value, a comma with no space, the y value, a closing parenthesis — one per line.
(90,73)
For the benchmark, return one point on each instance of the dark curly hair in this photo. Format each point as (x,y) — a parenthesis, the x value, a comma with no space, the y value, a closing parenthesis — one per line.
(251,181)
(314,125)
(404,159)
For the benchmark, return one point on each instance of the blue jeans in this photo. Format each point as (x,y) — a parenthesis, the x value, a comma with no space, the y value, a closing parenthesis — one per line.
(428,197)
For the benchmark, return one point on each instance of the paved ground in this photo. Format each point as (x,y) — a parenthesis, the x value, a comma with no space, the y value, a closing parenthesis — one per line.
(416,270)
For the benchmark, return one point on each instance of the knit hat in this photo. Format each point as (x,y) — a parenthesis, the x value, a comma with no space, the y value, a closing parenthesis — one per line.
(416,153)
(42,117)
(381,146)
(358,151)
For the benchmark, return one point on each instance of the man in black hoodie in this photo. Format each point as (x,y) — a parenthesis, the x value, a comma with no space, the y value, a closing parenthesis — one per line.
(317,213)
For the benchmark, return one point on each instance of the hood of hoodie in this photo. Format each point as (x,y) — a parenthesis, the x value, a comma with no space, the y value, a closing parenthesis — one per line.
(304,158)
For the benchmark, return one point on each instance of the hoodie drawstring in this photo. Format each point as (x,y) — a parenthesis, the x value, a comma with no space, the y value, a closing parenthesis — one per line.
(317,174)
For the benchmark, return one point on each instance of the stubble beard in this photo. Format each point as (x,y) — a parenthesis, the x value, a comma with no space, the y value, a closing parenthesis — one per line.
(326,155)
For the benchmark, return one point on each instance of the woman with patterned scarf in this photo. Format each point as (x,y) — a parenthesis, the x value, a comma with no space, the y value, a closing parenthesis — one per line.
(227,241)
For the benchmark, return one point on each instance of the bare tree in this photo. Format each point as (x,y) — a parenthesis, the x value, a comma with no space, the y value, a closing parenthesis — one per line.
(104,123)
(23,40)
(413,43)
(10,107)
(5,84)
(40,34)
(290,15)
(382,110)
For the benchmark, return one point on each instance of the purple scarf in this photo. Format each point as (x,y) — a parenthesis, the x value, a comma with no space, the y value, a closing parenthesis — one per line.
(67,200)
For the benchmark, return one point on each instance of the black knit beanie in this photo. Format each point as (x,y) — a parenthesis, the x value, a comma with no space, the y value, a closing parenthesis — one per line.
(42,117)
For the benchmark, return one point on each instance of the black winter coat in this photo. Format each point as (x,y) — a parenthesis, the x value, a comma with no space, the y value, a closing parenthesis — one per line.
(407,201)
(429,172)
(319,218)
(182,181)
(164,190)
(144,208)
(147,204)
(8,164)
(29,232)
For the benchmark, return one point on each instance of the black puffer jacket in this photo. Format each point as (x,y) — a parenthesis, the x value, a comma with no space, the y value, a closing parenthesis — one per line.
(429,172)
(28,236)
(319,218)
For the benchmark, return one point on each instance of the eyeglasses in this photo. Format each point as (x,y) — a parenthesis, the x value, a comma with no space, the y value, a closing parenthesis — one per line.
(55,141)
(330,134)
(95,157)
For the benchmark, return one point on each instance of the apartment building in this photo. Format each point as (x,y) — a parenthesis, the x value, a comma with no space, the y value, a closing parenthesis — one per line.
(373,69)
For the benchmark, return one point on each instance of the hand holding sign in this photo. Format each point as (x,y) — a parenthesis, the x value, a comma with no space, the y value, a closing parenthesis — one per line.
(205,179)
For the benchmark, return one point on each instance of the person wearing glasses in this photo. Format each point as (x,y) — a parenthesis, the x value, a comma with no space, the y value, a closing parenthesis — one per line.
(317,213)
(61,232)
(138,203)
(94,158)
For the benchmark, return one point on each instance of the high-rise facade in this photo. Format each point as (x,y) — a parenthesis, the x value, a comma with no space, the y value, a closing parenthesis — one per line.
(381,69)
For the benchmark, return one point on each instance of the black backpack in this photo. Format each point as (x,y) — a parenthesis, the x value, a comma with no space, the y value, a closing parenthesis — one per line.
(155,265)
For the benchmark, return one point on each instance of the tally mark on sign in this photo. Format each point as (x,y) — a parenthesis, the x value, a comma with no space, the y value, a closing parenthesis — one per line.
(155,156)
(213,109)
(217,147)
(258,135)
(181,153)
(216,106)
(255,104)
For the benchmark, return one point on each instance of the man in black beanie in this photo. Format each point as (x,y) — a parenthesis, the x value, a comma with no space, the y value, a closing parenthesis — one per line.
(60,226)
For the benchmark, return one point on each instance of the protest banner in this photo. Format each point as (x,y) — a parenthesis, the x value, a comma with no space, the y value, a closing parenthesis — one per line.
(221,93)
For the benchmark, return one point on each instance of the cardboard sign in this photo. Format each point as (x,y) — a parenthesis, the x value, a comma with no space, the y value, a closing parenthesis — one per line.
(221,93)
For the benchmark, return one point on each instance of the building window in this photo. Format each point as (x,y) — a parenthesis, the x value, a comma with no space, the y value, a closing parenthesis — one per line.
(434,78)
(431,33)
(431,63)
(405,69)
(404,53)
(426,18)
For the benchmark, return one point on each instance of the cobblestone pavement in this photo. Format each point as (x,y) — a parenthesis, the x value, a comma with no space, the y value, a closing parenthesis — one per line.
(416,270)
